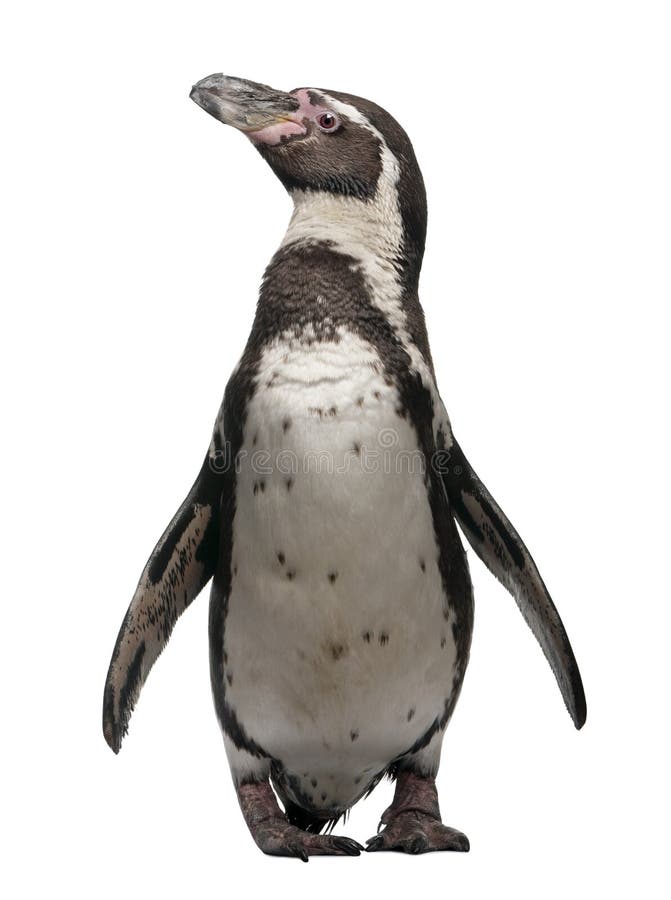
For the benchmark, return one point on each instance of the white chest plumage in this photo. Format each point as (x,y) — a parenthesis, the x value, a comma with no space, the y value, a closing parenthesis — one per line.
(339,655)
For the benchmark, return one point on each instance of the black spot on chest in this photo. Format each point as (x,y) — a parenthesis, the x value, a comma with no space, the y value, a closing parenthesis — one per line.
(337,651)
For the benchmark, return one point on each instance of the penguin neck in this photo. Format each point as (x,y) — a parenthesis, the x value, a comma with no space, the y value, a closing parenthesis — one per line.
(342,262)
(372,232)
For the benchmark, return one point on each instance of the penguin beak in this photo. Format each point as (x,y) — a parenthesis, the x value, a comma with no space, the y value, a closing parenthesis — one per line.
(265,115)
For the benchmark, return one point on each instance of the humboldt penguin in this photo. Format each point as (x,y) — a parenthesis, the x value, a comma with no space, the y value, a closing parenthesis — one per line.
(325,511)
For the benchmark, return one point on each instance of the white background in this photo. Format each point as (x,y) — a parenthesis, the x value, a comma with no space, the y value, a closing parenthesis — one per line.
(135,232)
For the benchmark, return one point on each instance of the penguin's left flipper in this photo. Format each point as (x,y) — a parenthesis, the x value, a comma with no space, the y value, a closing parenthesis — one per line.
(179,567)
(502,550)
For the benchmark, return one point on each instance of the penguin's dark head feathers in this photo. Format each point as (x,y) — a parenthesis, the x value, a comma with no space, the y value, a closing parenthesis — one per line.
(336,151)
(325,142)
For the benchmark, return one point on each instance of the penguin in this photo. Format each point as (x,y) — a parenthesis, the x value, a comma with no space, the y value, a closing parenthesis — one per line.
(325,511)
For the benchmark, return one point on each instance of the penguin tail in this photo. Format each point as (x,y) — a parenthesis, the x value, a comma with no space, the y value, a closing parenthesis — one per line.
(502,550)
(180,566)
(311,820)
(306,820)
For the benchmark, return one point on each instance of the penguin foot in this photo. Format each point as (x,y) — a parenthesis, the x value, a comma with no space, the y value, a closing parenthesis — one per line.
(412,822)
(276,836)
(279,838)
(415,832)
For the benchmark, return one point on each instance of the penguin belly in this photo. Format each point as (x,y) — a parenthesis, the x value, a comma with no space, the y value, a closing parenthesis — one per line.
(338,640)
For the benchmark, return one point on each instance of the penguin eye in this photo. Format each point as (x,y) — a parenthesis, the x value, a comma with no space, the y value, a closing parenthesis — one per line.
(328,121)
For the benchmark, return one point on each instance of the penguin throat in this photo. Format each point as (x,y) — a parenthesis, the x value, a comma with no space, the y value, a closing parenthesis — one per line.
(371,231)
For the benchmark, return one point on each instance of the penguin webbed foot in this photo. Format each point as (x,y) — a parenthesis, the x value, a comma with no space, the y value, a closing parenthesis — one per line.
(276,836)
(412,822)
(415,832)
(279,838)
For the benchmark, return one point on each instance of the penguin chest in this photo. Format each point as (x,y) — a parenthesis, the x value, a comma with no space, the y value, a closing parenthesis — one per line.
(338,643)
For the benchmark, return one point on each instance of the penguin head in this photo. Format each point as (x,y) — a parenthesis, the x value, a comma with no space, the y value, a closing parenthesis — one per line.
(326,143)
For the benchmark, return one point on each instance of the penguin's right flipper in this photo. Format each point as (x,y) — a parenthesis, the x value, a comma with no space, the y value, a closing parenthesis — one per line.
(180,566)
(502,550)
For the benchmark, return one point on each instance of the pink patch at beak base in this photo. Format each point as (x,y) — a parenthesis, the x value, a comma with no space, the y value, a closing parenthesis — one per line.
(273,134)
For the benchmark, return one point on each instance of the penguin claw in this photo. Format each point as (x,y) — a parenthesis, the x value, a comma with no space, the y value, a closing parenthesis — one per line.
(300,852)
(418,844)
(348,845)
(374,843)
